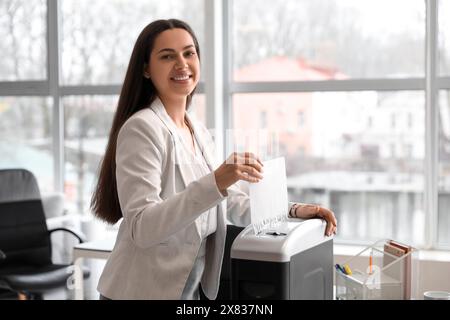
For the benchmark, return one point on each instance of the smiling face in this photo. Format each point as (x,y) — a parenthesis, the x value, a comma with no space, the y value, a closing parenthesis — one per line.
(174,67)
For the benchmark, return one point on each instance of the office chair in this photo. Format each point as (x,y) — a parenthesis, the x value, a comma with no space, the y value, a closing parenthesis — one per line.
(26,266)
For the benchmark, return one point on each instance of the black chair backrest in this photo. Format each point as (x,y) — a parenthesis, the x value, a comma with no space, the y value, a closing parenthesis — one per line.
(24,235)
(18,185)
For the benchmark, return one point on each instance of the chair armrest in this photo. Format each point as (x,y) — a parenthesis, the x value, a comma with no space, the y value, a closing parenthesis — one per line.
(80,236)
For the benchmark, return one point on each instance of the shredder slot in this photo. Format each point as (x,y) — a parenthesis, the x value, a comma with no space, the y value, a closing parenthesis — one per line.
(276,233)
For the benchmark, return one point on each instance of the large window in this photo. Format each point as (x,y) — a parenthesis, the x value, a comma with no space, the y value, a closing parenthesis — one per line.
(347,155)
(96,40)
(444,128)
(23,45)
(328,39)
(98,35)
(87,120)
(358,151)
(26,137)
(444,37)
(444,166)
(336,87)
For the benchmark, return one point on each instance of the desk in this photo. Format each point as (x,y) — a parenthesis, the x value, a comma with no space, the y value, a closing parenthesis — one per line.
(99,249)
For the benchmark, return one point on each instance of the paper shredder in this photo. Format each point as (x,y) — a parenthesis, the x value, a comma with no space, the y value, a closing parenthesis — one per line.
(292,262)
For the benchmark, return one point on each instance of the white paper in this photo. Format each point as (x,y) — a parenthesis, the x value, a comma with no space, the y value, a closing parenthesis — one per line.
(269,197)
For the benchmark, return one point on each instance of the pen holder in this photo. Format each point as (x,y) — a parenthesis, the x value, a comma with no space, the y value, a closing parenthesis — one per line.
(379,273)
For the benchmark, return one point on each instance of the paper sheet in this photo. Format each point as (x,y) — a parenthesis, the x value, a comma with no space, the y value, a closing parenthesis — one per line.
(268,197)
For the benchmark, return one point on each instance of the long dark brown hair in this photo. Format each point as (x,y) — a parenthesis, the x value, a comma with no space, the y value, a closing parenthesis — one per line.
(137,93)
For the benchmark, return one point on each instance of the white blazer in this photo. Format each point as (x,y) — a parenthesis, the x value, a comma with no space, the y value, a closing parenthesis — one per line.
(158,238)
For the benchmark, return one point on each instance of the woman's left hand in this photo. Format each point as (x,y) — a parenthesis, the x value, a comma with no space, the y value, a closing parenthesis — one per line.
(309,211)
(329,217)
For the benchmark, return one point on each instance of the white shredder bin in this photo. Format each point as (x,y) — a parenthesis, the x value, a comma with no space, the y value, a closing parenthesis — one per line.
(294,261)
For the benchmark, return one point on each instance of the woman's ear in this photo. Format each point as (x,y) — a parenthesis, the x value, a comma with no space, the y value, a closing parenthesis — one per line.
(146,71)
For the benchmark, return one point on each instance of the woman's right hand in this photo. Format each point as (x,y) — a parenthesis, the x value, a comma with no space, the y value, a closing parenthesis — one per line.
(239,166)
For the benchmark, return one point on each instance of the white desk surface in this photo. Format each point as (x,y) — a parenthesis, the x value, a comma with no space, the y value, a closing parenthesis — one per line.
(97,249)
(104,245)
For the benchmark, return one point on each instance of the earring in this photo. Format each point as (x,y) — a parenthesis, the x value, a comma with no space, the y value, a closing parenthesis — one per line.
(146,75)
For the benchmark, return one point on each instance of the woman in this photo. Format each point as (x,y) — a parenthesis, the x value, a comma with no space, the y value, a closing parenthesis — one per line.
(157,173)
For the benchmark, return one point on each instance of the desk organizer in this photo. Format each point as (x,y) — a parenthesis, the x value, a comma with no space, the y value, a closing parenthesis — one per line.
(377,274)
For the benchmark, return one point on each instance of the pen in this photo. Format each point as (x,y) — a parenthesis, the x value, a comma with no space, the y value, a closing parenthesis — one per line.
(339,268)
(370,261)
(347,269)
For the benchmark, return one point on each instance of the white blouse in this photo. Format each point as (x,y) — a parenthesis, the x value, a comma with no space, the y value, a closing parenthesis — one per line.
(207,221)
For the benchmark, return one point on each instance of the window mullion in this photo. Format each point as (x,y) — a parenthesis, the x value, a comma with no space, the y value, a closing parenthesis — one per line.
(53,67)
(431,126)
